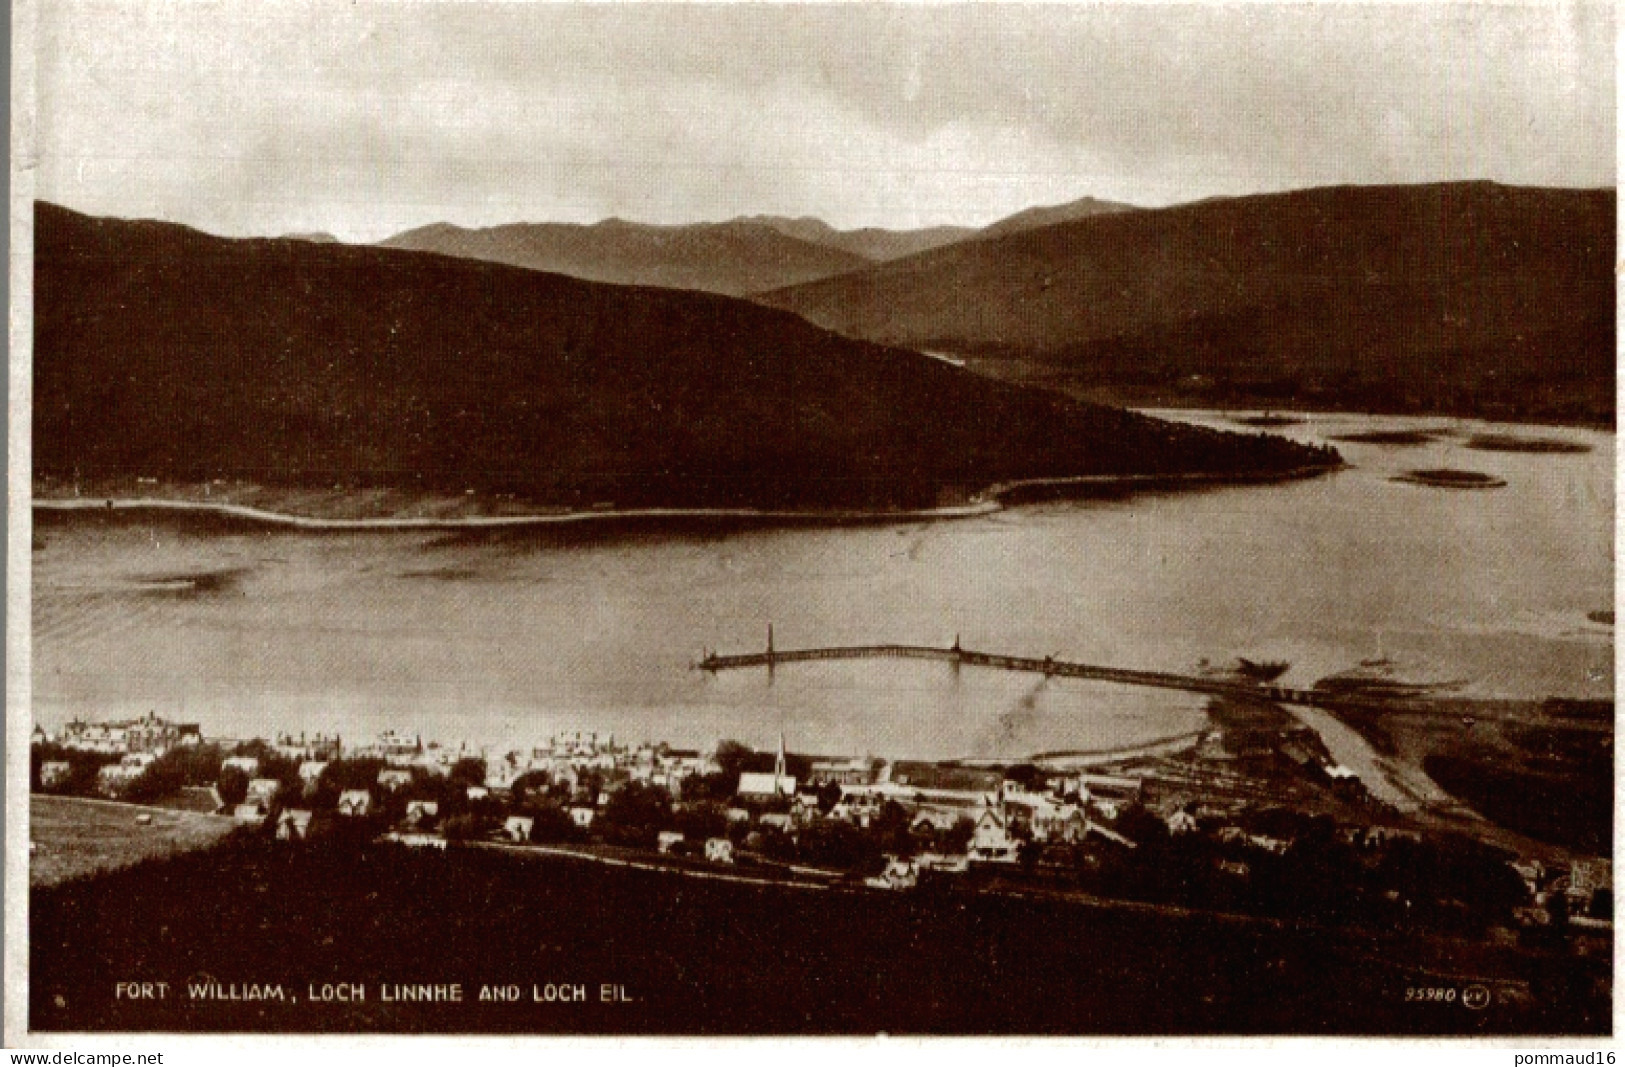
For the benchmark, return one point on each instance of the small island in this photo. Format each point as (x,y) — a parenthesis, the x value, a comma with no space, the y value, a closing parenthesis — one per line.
(1505,442)
(1267,419)
(1450,478)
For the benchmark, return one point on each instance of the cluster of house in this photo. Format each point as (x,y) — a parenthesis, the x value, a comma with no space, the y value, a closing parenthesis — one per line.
(136,742)
(1584,892)
(149,733)
(590,768)
(588,765)
(1003,813)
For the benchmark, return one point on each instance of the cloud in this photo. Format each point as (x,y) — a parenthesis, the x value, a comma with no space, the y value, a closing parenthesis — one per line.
(367,118)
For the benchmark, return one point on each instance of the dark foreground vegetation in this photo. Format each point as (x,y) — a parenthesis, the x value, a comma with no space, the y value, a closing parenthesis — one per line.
(1569,801)
(166,354)
(704,956)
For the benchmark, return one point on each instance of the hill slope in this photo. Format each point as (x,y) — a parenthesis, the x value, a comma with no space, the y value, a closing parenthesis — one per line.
(1036,217)
(1472,298)
(728,257)
(164,352)
(871,243)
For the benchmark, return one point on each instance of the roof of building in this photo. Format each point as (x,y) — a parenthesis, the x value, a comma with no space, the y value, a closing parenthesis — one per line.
(923,775)
(757,784)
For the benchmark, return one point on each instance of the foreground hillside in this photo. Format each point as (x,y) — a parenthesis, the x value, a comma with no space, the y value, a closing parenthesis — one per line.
(165,353)
(1471,298)
(700,956)
(726,257)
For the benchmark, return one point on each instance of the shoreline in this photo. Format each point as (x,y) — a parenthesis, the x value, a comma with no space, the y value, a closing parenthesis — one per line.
(992,502)
(1166,408)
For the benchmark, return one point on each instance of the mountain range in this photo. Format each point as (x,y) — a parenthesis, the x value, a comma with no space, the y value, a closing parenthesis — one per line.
(1470,298)
(736,258)
(160,351)
(732,258)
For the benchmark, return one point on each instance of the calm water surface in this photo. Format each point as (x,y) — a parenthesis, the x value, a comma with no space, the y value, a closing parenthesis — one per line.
(506,637)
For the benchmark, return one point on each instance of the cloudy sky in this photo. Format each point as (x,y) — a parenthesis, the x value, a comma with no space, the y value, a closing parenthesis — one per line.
(362,119)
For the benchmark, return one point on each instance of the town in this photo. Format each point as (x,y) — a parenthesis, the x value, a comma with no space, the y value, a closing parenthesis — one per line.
(1250,817)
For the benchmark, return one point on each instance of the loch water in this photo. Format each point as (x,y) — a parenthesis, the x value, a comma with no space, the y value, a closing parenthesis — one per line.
(505,636)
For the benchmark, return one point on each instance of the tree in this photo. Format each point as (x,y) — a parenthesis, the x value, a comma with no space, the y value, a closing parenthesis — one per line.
(956,839)
(83,768)
(831,843)
(701,821)
(530,785)
(273,764)
(589,783)
(1142,827)
(468,771)
(636,814)
(232,786)
(341,776)
(158,781)
(464,828)
(731,756)
(551,823)
(891,831)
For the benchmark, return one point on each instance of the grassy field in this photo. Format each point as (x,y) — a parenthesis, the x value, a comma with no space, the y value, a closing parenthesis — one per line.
(70,837)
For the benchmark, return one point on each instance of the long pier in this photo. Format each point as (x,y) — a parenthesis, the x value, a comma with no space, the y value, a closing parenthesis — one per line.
(1048,665)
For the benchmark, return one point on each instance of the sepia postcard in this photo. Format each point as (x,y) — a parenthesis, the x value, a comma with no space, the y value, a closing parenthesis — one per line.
(976,520)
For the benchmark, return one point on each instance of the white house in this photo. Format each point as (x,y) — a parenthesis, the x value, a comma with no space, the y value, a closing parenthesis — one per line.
(249,765)
(421,812)
(668,840)
(248,814)
(53,773)
(719,850)
(517,828)
(1056,822)
(356,802)
(991,842)
(1182,822)
(583,816)
(263,790)
(113,778)
(778,822)
(293,825)
(899,874)
(310,772)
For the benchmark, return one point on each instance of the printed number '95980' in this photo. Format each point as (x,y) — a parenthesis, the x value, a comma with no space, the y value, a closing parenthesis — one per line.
(1435,994)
